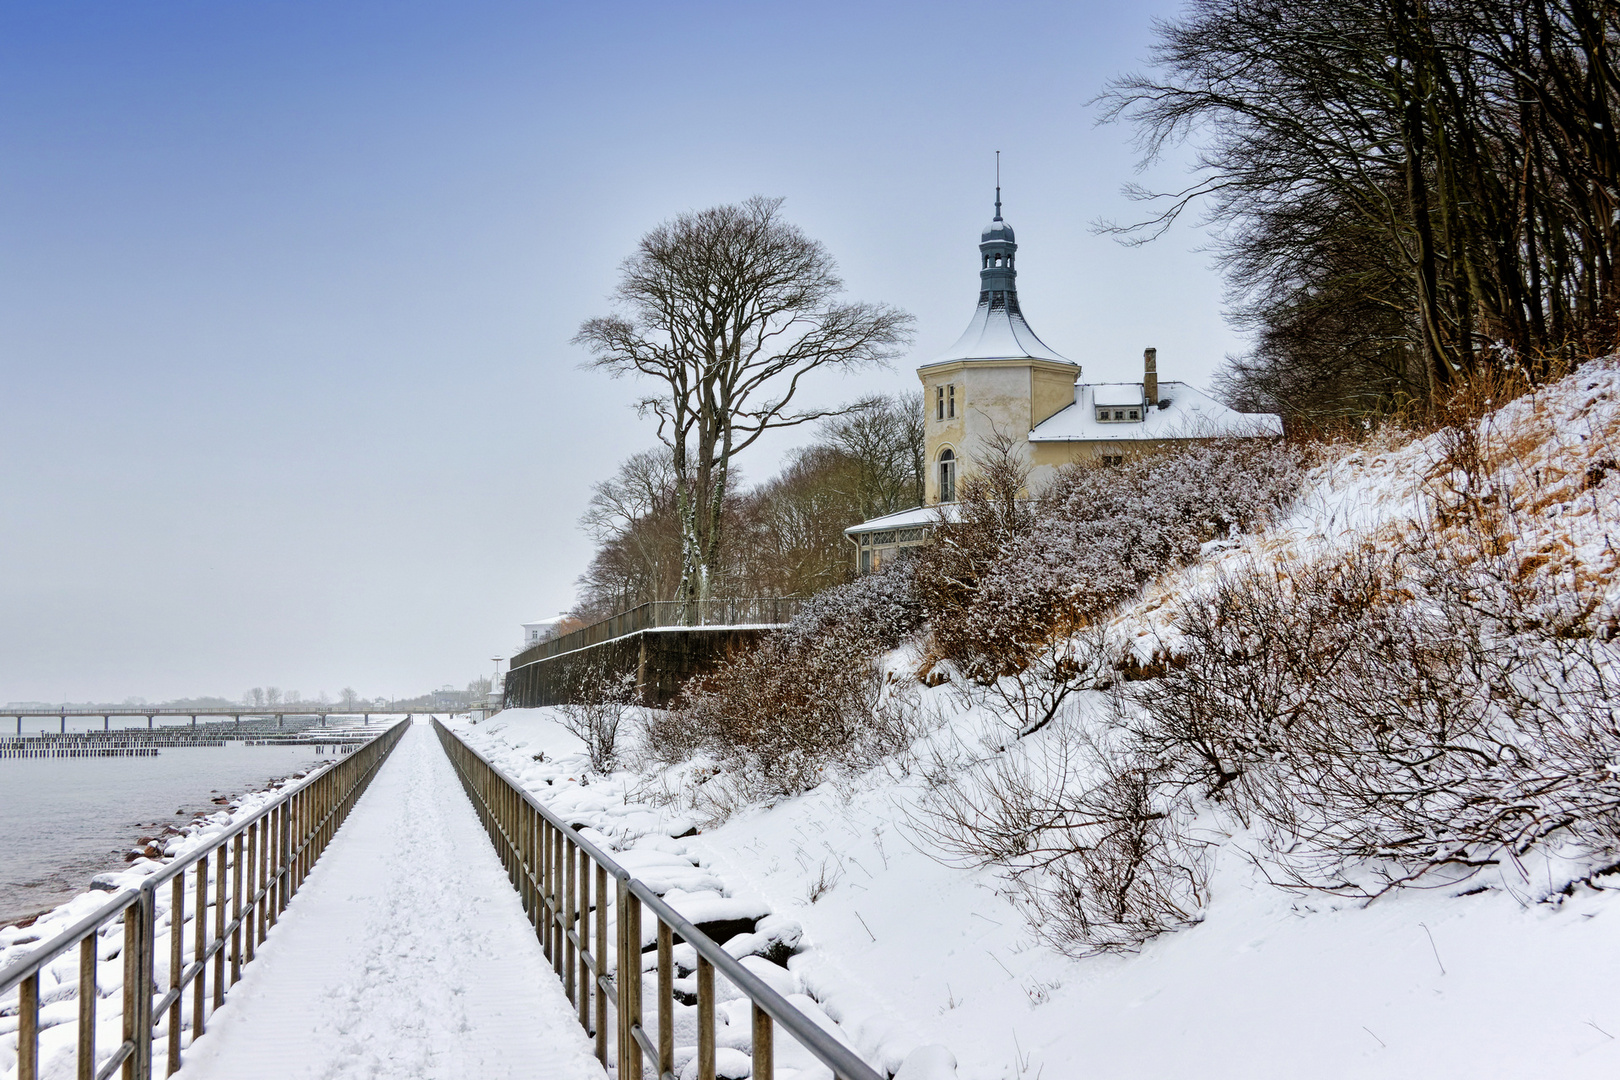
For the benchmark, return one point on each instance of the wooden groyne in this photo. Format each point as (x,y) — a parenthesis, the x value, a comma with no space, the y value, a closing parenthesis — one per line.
(14,748)
(83,744)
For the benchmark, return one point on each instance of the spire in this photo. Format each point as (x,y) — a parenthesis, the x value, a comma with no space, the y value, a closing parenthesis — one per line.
(998,185)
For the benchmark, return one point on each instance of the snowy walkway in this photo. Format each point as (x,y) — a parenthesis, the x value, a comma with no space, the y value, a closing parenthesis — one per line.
(405,953)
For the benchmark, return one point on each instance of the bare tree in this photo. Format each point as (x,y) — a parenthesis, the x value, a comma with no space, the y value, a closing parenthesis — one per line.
(729,309)
(632,517)
(1410,193)
(887,443)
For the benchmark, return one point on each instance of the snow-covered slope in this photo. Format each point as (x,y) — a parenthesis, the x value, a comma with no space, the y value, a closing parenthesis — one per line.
(903,951)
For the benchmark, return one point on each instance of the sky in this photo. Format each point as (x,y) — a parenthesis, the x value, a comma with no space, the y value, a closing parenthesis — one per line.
(287,291)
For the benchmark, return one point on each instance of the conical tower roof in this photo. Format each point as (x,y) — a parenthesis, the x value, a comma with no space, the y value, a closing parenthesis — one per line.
(998,330)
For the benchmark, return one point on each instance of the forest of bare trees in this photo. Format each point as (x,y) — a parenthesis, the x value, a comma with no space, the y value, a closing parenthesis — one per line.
(783,537)
(1406,193)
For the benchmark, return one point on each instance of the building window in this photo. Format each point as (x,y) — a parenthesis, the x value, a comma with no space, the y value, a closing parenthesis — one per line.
(939,403)
(950,401)
(1136,414)
(866,560)
(1113,459)
(947,476)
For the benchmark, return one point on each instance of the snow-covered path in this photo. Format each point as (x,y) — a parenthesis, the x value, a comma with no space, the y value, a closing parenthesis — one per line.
(405,953)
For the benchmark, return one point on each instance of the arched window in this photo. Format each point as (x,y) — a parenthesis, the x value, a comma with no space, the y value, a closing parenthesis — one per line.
(947,475)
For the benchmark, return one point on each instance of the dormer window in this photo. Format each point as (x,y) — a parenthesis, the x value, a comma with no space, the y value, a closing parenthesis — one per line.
(1119,414)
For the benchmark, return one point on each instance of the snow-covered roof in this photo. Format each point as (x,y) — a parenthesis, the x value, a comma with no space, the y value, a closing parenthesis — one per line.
(1117,393)
(906,519)
(998,332)
(1192,414)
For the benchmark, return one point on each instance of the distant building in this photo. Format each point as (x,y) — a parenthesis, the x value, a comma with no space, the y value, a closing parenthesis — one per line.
(544,630)
(1000,377)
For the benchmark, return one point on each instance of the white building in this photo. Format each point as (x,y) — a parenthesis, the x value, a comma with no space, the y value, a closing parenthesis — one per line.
(1000,377)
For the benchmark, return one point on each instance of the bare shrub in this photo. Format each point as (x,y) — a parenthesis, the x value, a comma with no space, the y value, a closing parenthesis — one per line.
(1387,714)
(778,717)
(667,737)
(600,701)
(1096,845)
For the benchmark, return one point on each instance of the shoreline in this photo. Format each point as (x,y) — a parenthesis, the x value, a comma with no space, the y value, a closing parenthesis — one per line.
(154,841)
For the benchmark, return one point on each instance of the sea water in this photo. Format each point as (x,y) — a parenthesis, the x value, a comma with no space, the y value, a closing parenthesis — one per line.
(64,820)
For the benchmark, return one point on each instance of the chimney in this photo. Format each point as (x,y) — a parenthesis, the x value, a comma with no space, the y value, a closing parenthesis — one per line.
(1150,375)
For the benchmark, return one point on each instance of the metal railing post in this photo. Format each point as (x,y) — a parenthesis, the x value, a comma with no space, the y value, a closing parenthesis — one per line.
(666,999)
(145,982)
(569,936)
(764,1055)
(705,1008)
(621,980)
(601,963)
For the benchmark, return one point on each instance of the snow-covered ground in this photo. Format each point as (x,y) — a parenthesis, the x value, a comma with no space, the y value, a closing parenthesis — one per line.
(404,954)
(904,952)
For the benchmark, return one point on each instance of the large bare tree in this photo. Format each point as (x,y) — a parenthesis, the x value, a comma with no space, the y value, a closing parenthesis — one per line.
(728,309)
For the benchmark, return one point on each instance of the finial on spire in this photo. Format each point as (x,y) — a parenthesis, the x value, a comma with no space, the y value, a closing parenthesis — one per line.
(998,185)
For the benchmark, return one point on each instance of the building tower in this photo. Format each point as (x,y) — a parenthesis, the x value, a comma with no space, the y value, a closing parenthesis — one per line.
(998,377)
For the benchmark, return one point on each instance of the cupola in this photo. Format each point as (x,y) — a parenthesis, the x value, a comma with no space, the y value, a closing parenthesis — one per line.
(997,250)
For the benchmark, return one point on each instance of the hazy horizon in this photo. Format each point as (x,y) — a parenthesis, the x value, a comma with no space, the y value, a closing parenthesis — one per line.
(288,292)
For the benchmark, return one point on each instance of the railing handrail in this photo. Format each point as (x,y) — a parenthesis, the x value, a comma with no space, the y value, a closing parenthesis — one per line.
(653,614)
(843,1061)
(295,710)
(298,821)
(35,959)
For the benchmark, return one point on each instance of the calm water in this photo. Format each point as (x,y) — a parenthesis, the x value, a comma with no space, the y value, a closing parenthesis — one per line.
(64,820)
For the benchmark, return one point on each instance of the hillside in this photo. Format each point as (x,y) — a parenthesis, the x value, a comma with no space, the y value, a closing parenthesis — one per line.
(1499,966)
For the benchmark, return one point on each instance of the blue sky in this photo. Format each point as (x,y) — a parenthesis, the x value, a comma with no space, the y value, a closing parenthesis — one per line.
(286,291)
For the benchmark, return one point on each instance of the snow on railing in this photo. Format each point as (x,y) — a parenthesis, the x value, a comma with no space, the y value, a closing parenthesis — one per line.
(751,611)
(254,866)
(562,879)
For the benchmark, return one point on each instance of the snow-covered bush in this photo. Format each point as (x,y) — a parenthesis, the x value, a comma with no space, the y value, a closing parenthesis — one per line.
(1094,840)
(599,702)
(1394,711)
(1012,576)
(777,717)
(881,606)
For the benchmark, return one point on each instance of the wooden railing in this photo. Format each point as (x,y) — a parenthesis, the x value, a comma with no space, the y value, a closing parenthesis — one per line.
(563,880)
(246,875)
(755,611)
